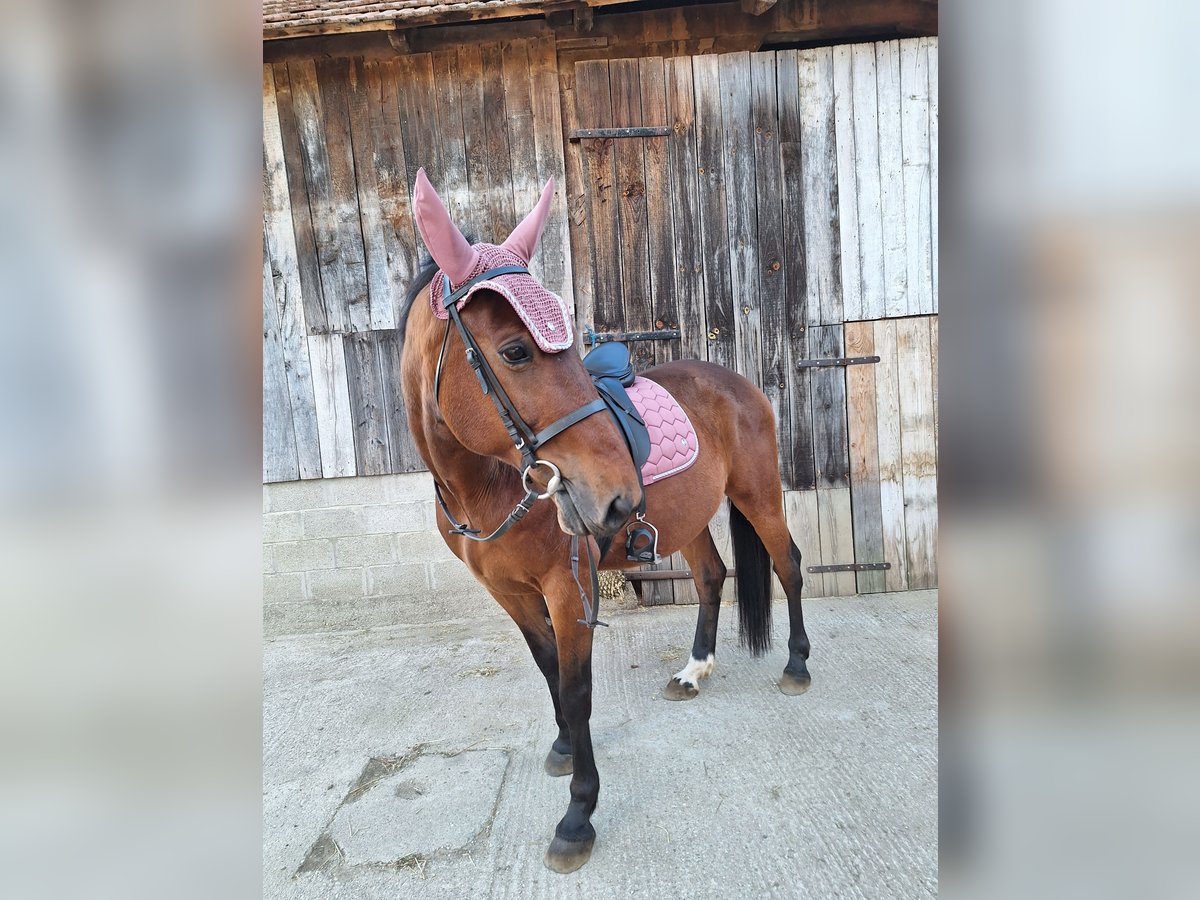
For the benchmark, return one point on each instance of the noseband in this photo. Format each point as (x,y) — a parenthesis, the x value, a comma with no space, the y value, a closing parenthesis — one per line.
(524,437)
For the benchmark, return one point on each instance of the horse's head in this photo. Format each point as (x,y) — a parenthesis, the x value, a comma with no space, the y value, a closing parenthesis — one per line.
(522,329)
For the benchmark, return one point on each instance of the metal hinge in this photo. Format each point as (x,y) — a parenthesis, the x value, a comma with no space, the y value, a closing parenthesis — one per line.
(850,567)
(839,361)
(642,131)
(604,337)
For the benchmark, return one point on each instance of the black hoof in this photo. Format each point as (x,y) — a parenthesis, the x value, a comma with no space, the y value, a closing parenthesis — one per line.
(564,856)
(680,690)
(559,763)
(793,683)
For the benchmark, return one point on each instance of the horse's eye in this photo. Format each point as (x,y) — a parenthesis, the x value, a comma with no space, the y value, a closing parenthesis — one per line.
(515,353)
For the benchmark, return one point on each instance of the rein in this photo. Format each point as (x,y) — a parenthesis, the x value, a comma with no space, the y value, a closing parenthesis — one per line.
(523,436)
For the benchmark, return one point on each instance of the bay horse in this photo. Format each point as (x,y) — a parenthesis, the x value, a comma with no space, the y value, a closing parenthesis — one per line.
(502,417)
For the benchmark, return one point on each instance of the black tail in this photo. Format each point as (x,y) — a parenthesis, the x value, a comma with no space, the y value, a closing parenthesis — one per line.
(753,583)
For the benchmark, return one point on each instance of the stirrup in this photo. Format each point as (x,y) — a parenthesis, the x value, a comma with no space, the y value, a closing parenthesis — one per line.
(641,544)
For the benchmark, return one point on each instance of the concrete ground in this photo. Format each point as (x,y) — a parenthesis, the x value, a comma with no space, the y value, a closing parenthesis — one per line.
(407,761)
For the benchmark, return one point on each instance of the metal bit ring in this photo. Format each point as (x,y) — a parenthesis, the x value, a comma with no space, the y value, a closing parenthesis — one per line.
(552,486)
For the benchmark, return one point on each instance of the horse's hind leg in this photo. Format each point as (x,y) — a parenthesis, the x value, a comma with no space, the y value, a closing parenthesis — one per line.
(761,502)
(708,571)
(532,617)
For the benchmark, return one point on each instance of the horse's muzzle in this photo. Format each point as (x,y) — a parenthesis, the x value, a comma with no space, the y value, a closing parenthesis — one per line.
(581,513)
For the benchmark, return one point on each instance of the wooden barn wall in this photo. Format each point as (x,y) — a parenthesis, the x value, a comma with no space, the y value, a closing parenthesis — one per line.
(790,214)
(342,141)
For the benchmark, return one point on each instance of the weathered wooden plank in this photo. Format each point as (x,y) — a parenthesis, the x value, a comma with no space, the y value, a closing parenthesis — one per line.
(773,317)
(866,177)
(331,392)
(723,541)
(891,179)
(800,508)
(931,45)
(555,255)
(919,453)
(837,539)
(714,225)
(830,442)
(933,356)
(501,215)
(802,474)
(740,209)
(891,466)
(578,221)
(663,308)
(455,184)
(819,149)
(685,207)
(337,272)
(864,456)
(914,124)
(391,179)
(280,248)
(382,280)
(279,440)
(365,381)
(476,222)
(336,216)
(624,84)
(635,252)
(847,183)
(418,118)
(594,107)
(518,106)
(685,589)
(402,451)
(658,592)
(302,229)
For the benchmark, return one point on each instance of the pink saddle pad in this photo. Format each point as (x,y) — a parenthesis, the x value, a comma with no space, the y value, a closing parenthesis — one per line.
(673,444)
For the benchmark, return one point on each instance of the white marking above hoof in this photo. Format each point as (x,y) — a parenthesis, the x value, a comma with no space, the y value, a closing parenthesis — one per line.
(695,670)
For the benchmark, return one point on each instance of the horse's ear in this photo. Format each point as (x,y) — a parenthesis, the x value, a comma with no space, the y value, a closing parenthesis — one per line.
(446,244)
(524,238)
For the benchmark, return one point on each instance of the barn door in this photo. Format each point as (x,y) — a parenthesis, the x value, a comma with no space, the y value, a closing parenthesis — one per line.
(778,208)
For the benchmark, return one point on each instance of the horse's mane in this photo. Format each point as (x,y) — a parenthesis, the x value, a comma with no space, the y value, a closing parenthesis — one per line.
(425,269)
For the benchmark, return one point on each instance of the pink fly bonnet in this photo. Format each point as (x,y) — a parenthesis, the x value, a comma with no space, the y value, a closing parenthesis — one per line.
(544,313)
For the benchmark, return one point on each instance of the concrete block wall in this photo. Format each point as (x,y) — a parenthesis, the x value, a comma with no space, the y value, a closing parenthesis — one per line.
(345,553)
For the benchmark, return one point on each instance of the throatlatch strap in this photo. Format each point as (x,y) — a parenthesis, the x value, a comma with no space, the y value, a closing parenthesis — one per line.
(472,534)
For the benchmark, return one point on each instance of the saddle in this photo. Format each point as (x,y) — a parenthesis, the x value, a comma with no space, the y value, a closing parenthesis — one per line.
(612,372)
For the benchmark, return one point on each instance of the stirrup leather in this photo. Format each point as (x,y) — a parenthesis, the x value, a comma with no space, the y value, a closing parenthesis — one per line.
(641,542)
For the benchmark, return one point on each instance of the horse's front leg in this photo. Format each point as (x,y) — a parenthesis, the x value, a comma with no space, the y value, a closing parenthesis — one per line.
(574,836)
(528,609)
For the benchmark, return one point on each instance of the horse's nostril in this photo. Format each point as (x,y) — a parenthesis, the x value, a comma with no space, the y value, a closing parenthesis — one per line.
(618,511)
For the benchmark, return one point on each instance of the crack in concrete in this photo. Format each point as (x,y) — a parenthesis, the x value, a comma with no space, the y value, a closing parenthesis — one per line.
(325,855)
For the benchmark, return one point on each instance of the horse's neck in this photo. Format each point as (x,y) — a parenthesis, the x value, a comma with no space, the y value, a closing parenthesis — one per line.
(481,488)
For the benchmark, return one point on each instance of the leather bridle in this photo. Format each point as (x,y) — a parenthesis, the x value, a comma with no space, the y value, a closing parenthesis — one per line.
(524,437)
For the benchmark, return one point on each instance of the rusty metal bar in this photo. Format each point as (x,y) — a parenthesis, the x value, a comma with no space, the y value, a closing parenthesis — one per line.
(641,131)
(667,575)
(839,361)
(604,337)
(850,567)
